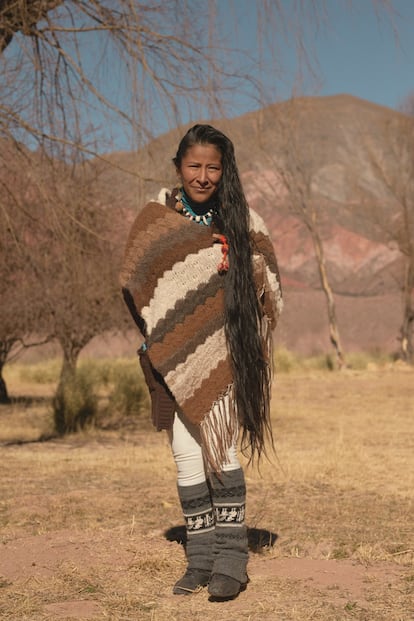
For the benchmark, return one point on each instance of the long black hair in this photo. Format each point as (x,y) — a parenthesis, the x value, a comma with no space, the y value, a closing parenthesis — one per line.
(242,314)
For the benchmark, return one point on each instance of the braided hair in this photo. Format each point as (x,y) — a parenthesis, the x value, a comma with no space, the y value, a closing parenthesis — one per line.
(242,313)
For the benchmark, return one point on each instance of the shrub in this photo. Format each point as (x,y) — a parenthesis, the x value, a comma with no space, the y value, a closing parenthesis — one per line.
(323,362)
(129,395)
(285,361)
(100,371)
(75,404)
(359,361)
(42,372)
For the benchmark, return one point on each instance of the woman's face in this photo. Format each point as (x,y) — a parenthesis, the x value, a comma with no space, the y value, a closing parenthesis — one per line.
(200,172)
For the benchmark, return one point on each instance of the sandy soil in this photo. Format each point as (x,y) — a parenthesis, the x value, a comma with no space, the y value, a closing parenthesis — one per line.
(90,524)
(345,583)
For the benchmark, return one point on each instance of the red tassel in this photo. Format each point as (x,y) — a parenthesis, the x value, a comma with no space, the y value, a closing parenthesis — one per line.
(223,266)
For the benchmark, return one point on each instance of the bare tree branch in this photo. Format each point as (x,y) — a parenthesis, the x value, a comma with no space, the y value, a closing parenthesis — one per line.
(22,16)
(394,168)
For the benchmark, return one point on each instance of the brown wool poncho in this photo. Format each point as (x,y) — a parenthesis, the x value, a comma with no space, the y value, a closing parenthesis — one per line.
(176,295)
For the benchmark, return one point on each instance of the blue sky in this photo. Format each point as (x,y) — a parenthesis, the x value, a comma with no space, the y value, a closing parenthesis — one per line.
(369,57)
(352,50)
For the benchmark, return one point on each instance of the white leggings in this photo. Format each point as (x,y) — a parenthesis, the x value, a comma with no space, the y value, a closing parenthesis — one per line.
(186,448)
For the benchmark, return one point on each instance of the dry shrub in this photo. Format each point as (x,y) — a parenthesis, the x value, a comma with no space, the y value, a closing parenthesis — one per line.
(286,361)
(44,372)
(128,396)
(75,404)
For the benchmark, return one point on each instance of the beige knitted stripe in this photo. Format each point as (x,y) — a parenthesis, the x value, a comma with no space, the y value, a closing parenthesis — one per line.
(184,276)
(257,223)
(183,381)
(275,289)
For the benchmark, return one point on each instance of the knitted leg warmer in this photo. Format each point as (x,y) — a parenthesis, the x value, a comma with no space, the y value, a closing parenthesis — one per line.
(198,514)
(230,544)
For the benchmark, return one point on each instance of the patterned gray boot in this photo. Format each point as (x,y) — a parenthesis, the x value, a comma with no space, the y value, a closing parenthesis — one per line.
(198,514)
(230,549)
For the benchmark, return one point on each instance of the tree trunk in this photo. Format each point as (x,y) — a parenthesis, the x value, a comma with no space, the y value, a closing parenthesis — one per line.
(407,327)
(65,416)
(4,352)
(68,370)
(4,395)
(333,324)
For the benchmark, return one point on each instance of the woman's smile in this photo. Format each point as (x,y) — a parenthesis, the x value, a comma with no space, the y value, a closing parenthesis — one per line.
(200,172)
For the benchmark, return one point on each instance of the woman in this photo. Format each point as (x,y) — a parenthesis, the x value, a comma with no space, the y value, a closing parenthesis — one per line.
(201,280)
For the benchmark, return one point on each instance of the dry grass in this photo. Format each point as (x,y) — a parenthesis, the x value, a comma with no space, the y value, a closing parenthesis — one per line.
(82,519)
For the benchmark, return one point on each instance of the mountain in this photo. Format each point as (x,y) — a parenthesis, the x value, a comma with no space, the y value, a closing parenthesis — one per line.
(341,162)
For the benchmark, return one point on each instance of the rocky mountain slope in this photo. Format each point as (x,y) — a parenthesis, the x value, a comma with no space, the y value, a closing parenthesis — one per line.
(343,161)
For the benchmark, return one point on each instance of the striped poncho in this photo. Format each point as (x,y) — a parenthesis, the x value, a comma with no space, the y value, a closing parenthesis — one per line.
(176,296)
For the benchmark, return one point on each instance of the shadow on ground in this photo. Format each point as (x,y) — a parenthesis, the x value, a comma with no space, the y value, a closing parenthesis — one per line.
(258,538)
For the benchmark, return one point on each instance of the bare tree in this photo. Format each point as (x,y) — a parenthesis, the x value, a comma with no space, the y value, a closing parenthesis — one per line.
(75,262)
(392,162)
(21,308)
(60,258)
(295,167)
(72,68)
(407,104)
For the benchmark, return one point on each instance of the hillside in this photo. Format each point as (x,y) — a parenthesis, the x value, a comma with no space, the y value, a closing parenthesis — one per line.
(348,161)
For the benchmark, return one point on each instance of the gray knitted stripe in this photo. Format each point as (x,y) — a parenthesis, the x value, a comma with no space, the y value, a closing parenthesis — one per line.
(230,546)
(199,518)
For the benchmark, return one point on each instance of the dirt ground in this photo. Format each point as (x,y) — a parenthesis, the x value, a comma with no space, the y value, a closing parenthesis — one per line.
(90,524)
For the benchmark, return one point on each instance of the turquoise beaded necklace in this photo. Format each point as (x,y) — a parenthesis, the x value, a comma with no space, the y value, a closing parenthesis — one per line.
(184,205)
